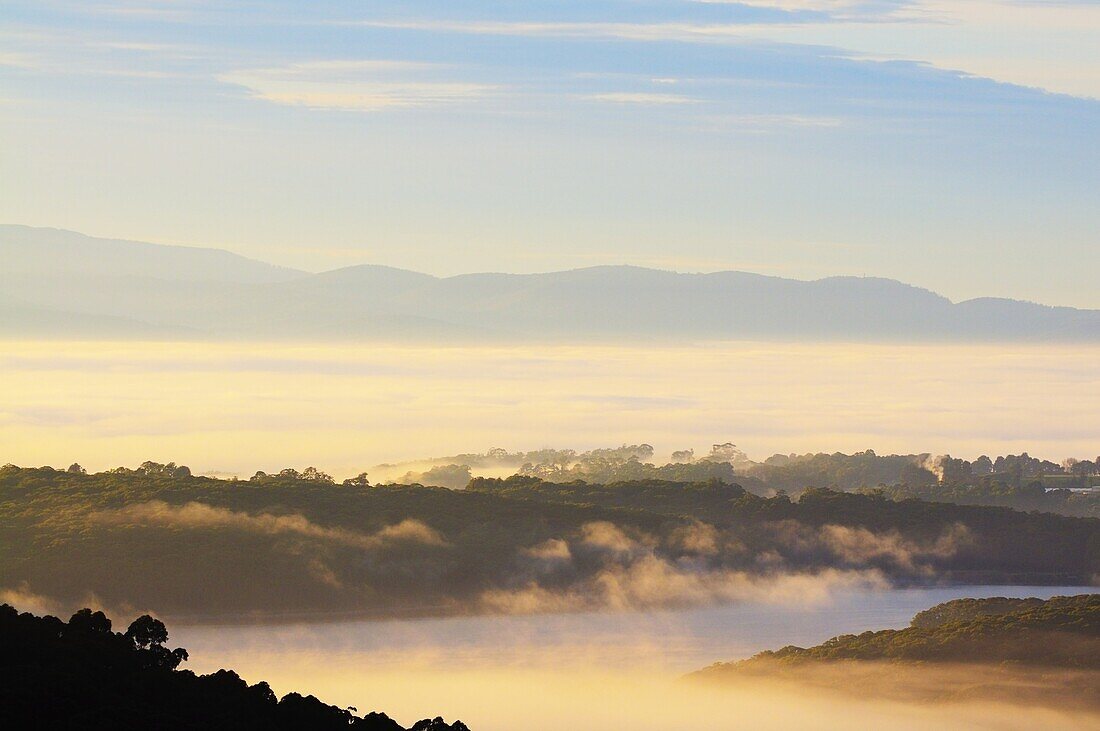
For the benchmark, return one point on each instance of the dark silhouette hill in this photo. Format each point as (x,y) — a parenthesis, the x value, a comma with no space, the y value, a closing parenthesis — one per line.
(58,284)
(82,675)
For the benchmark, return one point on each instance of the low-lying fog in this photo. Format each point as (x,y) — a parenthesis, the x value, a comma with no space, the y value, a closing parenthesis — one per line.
(600,670)
(237,409)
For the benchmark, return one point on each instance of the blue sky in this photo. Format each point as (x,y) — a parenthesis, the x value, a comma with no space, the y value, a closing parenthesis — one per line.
(955,145)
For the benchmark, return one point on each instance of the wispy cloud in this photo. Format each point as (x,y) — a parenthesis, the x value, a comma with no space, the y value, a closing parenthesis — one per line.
(567,29)
(72,54)
(1004,40)
(763,123)
(642,98)
(1011,41)
(373,97)
(176,11)
(363,85)
(832,8)
(19,60)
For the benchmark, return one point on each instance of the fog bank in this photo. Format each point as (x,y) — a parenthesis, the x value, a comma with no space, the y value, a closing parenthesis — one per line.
(236,409)
(601,670)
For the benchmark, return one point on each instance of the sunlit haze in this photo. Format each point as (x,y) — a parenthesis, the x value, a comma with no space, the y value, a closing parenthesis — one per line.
(238,409)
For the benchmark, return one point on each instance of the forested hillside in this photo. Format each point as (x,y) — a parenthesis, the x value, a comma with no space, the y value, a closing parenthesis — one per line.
(1029,653)
(299,544)
(1060,632)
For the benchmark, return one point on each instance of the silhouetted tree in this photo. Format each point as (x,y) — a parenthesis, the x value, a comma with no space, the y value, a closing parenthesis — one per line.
(315,475)
(683,455)
(156,469)
(146,631)
(954,470)
(85,621)
(1083,468)
(149,635)
(982,466)
(727,452)
(359,480)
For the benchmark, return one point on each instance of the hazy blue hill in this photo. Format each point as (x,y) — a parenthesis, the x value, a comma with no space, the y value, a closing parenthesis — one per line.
(626,300)
(1013,319)
(217,294)
(632,301)
(374,279)
(53,252)
(21,320)
(355,292)
(63,284)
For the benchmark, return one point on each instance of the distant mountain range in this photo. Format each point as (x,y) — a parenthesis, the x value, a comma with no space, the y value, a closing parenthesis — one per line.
(57,283)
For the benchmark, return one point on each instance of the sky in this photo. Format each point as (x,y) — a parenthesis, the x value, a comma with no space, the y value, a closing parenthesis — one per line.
(950,144)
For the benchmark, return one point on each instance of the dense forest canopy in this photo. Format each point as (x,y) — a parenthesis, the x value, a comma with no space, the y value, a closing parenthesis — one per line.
(81,674)
(298,543)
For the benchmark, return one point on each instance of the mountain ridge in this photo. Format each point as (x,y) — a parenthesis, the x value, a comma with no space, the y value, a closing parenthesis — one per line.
(212,293)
